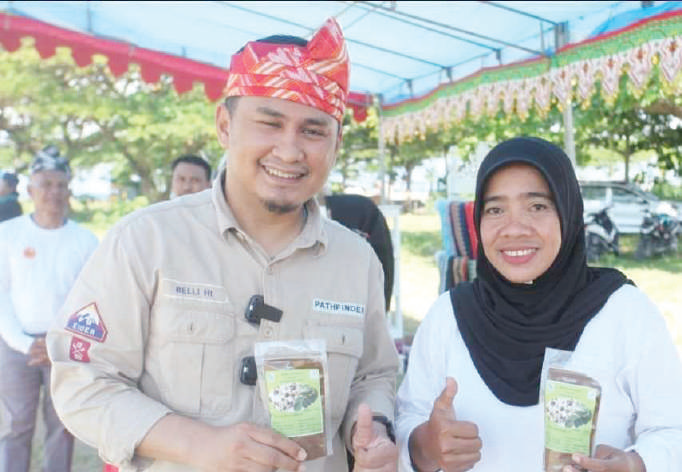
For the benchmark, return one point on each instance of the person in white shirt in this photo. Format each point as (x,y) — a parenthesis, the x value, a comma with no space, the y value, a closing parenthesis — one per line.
(470,398)
(40,256)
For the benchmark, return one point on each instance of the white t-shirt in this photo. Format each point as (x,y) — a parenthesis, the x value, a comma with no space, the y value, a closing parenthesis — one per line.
(37,269)
(626,347)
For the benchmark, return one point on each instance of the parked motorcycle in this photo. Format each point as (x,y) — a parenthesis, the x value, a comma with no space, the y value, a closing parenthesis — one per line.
(601,235)
(657,235)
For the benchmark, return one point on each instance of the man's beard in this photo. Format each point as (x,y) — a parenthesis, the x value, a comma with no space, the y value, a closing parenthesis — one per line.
(280,208)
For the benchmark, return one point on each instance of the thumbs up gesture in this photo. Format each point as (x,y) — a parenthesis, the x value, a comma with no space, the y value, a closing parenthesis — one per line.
(442,406)
(372,449)
(443,442)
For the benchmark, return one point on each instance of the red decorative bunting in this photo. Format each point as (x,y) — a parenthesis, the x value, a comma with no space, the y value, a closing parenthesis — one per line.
(153,64)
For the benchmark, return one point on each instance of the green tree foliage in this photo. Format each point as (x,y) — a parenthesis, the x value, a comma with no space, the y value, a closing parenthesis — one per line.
(359,148)
(411,154)
(467,134)
(94,117)
(140,128)
(629,125)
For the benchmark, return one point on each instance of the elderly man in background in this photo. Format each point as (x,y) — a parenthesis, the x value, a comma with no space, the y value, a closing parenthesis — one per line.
(191,174)
(41,255)
(9,204)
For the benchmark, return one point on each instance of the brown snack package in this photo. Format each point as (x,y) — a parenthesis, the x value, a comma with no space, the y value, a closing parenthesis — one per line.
(293,384)
(571,407)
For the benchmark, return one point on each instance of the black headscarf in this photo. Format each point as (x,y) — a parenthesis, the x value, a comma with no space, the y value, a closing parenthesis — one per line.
(507,326)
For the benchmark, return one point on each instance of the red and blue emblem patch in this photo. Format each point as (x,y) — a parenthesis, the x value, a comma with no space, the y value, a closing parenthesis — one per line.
(88,323)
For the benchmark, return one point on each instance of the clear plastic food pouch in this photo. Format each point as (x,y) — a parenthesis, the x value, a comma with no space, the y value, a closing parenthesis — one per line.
(292,379)
(571,406)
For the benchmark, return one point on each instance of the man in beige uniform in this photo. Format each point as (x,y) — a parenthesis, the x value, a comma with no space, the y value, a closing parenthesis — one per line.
(150,354)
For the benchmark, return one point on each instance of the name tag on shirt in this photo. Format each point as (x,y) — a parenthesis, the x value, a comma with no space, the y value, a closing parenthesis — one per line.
(193,291)
(338,308)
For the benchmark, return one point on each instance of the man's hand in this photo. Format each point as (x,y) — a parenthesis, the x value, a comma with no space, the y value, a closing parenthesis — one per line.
(242,447)
(443,442)
(248,447)
(608,459)
(37,353)
(372,449)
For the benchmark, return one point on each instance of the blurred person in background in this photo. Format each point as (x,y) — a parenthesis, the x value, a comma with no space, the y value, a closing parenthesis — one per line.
(41,255)
(363,216)
(9,204)
(190,174)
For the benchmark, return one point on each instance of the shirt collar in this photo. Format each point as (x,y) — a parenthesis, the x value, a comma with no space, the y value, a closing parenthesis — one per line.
(224,215)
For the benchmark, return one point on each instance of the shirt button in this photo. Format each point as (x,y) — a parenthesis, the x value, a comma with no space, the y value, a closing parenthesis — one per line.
(270,270)
(267,332)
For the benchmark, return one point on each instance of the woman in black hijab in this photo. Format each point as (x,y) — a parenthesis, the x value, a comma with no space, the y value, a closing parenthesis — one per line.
(534,291)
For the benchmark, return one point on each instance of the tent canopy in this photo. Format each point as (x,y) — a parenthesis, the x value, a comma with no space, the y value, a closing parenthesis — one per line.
(399,50)
(428,63)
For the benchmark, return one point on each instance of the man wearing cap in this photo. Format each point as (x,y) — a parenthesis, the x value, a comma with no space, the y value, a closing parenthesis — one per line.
(40,256)
(178,293)
(9,204)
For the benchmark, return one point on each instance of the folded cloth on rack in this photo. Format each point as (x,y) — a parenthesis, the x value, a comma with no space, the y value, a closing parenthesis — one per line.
(472,269)
(460,229)
(457,269)
(473,240)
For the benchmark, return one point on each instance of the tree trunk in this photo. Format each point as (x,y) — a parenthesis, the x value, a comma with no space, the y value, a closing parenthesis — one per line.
(408,187)
(148,188)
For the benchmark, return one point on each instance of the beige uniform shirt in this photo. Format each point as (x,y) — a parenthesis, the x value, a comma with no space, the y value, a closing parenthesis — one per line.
(155,324)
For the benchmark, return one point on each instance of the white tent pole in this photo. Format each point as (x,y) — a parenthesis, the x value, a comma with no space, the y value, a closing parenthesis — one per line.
(569,141)
(381,150)
(561,38)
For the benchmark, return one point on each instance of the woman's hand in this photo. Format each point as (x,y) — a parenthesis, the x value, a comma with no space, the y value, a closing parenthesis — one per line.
(443,442)
(608,459)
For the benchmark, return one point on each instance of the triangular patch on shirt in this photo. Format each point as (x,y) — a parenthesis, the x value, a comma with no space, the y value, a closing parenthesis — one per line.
(88,323)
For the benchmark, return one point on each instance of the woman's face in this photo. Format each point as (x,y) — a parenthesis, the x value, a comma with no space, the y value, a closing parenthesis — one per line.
(520,226)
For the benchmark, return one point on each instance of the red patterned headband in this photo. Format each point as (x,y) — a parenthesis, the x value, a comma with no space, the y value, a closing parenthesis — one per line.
(315,75)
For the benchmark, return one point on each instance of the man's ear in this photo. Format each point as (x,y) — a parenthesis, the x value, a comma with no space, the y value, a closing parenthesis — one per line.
(337,147)
(222,125)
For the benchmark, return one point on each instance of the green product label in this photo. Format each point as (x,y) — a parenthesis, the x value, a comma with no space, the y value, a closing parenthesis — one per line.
(568,417)
(294,401)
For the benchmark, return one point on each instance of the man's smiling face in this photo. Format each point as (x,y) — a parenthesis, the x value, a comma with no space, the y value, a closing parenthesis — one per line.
(280,152)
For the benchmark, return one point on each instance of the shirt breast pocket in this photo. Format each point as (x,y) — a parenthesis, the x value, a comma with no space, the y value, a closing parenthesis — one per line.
(194,352)
(344,338)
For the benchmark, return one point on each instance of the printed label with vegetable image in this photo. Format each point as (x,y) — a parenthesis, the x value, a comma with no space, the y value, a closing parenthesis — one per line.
(294,402)
(568,416)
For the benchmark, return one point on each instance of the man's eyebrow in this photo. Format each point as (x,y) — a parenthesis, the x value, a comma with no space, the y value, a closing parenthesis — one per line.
(270,112)
(322,122)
